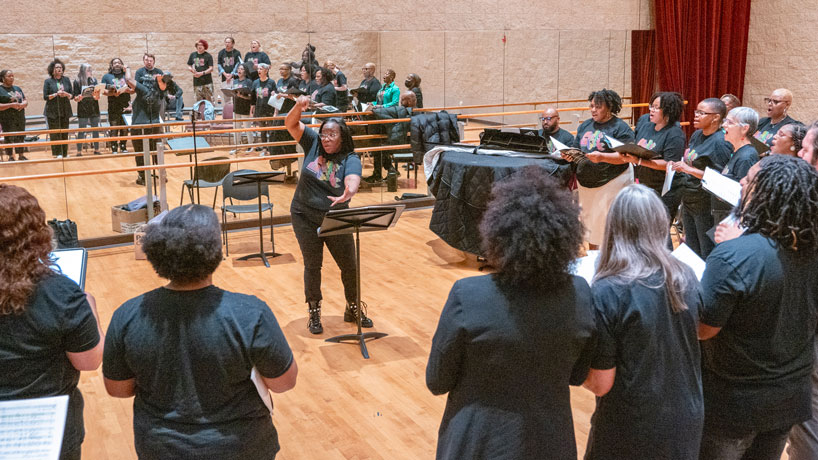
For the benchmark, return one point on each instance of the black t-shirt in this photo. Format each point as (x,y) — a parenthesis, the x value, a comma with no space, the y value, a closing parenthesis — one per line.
(228,60)
(657,388)
(341,96)
(368,90)
(191,353)
(281,87)
(757,369)
(253,59)
(316,181)
(262,91)
(143,72)
(242,106)
(88,107)
(308,87)
(326,94)
(704,152)
(740,163)
(645,118)
(115,82)
(57,320)
(589,135)
(767,129)
(201,62)
(418,96)
(669,145)
(147,105)
(561,135)
(8,96)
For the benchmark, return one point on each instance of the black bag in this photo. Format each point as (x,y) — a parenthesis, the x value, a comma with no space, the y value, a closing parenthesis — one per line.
(65,233)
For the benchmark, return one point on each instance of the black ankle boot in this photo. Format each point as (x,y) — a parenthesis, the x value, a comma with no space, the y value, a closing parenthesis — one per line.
(314,324)
(349,315)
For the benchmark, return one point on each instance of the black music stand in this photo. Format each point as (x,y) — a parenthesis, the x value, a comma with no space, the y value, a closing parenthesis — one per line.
(357,220)
(244,178)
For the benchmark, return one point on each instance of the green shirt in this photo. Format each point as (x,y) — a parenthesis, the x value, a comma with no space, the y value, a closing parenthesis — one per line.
(391,95)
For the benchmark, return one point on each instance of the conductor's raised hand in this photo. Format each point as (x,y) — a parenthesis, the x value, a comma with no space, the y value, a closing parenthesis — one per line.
(303,102)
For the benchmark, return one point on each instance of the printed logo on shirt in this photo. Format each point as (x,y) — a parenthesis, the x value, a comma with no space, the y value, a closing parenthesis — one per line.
(228,61)
(650,144)
(763,136)
(329,173)
(690,156)
(590,140)
(200,62)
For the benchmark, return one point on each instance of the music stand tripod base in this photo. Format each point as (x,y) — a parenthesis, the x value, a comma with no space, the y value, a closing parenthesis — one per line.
(357,220)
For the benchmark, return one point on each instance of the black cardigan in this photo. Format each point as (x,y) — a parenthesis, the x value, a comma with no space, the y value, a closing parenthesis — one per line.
(59,107)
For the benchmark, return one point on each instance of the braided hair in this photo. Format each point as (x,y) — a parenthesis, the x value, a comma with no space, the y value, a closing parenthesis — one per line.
(781,203)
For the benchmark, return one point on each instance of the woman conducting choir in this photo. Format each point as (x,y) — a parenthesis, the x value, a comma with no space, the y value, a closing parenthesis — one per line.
(661,134)
(49,329)
(605,172)
(706,149)
(508,344)
(330,176)
(647,305)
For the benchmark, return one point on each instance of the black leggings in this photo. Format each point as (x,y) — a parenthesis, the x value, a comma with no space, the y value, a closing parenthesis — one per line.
(341,247)
(59,123)
(14,125)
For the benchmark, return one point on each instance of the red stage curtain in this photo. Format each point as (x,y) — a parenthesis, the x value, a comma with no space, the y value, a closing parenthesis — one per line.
(701,48)
(643,68)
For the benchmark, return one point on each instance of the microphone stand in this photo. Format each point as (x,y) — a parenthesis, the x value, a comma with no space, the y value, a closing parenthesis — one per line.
(195,156)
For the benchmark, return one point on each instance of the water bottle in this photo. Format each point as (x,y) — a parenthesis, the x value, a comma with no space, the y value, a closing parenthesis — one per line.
(392,180)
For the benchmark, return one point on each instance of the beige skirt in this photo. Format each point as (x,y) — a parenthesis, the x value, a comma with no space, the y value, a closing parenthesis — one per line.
(595,202)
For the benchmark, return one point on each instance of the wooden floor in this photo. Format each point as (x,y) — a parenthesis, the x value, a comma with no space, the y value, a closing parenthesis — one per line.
(343,407)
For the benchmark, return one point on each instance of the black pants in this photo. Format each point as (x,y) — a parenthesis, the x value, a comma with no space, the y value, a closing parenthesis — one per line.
(58,123)
(382,160)
(11,125)
(697,220)
(115,119)
(719,444)
(138,146)
(341,247)
(266,136)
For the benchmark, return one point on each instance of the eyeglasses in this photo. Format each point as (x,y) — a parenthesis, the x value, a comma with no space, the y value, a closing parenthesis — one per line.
(769,101)
(701,113)
(654,109)
(548,118)
(328,136)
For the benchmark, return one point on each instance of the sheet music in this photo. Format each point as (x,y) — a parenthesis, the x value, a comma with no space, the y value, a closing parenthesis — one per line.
(276,102)
(558,145)
(668,178)
(613,143)
(32,428)
(364,107)
(686,255)
(71,263)
(725,188)
(261,387)
(586,266)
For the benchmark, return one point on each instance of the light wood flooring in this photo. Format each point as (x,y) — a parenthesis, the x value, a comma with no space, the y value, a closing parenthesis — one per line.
(343,407)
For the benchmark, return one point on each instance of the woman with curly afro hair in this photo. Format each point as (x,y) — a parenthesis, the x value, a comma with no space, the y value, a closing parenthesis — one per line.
(49,329)
(508,344)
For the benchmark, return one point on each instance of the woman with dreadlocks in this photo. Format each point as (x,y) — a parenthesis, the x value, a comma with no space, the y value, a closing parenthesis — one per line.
(758,318)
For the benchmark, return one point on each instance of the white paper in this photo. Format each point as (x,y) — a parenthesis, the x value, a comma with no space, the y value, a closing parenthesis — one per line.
(613,142)
(668,178)
(276,102)
(558,145)
(263,391)
(364,107)
(586,266)
(725,188)
(32,429)
(69,262)
(686,255)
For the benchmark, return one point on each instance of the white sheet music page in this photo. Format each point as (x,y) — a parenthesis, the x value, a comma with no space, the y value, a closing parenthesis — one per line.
(723,187)
(668,178)
(32,428)
(686,255)
(586,266)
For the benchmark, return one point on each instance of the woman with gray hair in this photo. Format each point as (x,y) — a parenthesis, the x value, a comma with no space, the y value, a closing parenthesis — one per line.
(188,352)
(646,367)
(87,105)
(739,127)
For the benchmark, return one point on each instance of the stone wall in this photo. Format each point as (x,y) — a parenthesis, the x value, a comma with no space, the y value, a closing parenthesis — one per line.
(466,51)
(782,53)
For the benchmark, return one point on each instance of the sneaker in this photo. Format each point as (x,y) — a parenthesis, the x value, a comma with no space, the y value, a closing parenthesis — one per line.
(140,180)
(22,157)
(124,150)
(349,315)
(79,154)
(233,152)
(314,324)
(373,179)
(96,152)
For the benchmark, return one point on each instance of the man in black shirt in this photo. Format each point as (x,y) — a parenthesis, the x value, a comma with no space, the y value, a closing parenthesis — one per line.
(147,106)
(369,87)
(149,69)
(550,120)
(758,318)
